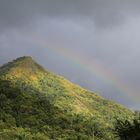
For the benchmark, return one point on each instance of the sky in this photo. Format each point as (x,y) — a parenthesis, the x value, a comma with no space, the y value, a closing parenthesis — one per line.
(93,43)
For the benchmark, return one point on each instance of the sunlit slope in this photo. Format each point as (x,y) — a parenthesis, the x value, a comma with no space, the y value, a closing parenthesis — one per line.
(32,79)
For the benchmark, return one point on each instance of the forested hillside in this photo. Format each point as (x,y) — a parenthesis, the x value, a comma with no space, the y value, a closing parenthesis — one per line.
(36,104)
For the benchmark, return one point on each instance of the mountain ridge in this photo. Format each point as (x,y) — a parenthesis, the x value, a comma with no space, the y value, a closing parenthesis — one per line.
(66,99)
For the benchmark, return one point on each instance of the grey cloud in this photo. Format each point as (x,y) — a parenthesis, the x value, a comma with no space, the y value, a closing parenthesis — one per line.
(104,13)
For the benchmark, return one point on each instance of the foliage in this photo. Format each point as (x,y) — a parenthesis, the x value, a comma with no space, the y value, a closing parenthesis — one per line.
(128,130)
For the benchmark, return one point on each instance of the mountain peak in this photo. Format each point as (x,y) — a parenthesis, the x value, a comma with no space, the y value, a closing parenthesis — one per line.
(25,64)
(24,58)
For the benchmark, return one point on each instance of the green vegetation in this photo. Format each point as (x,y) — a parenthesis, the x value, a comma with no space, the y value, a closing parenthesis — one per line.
(35,104)
(128,130)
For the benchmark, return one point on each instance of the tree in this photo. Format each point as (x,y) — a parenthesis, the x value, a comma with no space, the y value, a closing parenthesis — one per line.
(127,130)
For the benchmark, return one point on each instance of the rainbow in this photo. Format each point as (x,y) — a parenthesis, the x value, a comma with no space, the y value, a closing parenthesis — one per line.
(92,68)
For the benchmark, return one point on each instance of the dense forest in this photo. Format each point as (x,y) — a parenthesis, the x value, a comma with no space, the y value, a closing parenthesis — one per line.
(36,104)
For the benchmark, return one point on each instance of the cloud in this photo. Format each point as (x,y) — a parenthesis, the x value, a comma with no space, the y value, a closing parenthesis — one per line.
(104,13)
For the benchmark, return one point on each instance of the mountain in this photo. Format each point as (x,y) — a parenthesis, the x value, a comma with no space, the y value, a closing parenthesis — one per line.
(36,104)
